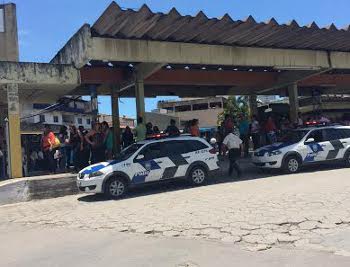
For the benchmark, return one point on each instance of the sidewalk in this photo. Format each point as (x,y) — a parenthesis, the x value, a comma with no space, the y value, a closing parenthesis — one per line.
(37,187)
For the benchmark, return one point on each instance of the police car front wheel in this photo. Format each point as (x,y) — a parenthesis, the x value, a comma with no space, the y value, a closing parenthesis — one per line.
(347,158)
(116,187)
(198,175)
(292,164)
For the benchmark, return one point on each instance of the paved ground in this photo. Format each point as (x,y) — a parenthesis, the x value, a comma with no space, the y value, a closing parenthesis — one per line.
(310,210)
(30,246)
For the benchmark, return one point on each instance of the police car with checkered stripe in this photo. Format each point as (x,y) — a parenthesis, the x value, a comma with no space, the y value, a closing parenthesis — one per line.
(306,146)
(151,161)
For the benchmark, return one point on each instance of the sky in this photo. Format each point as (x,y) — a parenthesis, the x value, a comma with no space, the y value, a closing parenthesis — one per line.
(44,26)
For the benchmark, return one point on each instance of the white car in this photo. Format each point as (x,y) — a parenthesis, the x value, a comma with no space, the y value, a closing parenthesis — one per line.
(305,146)
(151,161)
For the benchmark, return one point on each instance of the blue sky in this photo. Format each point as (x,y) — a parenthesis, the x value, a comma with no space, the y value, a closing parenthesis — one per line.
(46,25)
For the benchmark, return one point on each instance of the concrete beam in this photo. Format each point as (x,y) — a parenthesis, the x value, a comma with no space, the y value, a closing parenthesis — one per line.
(289,77)
(187,53)
(38,73)
(77,50)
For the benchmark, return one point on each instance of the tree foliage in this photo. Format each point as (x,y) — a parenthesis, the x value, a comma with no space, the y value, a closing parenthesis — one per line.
(234,107)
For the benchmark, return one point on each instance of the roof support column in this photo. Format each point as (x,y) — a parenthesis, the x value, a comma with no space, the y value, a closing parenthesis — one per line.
(15,148)
(115,119)
(293,102)
(140,98)
(93,102)
(253,105)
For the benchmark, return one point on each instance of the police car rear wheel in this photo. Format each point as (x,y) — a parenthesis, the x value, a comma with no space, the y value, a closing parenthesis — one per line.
(198,175)
(292,164)
(347,159)
(116,188)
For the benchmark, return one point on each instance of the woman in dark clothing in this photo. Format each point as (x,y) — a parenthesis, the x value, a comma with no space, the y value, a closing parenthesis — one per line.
(63,137)
(127,137)
(75,142)
(95,139)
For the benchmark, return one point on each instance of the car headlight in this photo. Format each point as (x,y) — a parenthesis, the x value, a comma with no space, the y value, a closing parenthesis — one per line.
(275,152)
(94,174)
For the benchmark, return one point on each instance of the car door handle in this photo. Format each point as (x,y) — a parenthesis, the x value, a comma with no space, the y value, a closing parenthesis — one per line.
(344,142)
(159,161)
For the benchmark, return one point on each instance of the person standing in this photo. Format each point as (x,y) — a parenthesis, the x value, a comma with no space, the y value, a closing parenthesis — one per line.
(63,137)
(219,138)
(48,145)
(172,130)
(271,129)
(255,131)
(95,139)
(149,129)
(127,137)
(156,129)
(140,130)
(107,140)
(244,133)
(228,124)
(194,129)
(300,120)
(234,145)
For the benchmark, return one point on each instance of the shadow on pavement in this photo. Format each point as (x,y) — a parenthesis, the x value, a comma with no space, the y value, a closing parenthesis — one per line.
(249,172)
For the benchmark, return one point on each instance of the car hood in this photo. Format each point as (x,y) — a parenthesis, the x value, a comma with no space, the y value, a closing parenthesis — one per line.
(261,151)
(98,166)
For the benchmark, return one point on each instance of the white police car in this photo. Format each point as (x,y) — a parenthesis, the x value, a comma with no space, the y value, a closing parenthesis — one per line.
(151,161)
(304,146)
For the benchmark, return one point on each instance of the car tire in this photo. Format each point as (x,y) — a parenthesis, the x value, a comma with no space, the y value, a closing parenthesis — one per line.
(291,164)
(347,158)
(198,175)
(116,187)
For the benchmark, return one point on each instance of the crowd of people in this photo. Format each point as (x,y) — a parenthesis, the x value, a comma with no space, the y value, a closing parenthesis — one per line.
(78,147)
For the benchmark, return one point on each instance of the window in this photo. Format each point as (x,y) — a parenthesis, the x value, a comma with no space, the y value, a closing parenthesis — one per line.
(176,148)
(202,106)
(343,133)
(42,118)
(88,121)
(197,145)
(330,134)
(55,119)
(152,151)
(2,24)
(183,108)
(317,135)
(80,121)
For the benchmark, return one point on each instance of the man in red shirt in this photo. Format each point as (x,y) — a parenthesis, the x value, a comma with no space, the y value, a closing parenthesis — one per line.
(47,143)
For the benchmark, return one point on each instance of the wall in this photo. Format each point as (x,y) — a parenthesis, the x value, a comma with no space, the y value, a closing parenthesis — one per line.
(207,118)
(9,38)
(161,120)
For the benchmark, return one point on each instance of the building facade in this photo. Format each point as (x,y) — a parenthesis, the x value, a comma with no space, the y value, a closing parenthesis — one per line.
(73,112)
(206,110)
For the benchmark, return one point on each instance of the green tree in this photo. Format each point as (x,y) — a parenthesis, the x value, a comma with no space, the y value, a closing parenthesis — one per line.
(235,106)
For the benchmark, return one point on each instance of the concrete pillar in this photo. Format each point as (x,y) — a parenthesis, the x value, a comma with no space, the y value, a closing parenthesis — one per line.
(15,152)
(253,105)
(115,119)
(8,33)
(140,98)
(293,102)
(94,102)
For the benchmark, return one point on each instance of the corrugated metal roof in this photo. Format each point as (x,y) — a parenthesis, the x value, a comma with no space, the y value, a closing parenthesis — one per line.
(143,24)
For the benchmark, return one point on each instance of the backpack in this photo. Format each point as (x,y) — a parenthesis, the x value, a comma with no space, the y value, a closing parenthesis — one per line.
(57,143)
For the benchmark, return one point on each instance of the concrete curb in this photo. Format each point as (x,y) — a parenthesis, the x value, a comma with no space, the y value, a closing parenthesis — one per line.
(40,187)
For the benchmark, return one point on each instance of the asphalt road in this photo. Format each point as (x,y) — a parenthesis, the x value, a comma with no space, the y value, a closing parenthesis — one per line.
(36,247)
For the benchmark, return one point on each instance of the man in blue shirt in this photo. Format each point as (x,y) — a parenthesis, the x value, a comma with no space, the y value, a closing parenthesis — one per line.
(244,133)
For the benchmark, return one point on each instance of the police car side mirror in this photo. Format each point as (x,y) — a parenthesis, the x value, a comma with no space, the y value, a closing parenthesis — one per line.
(310,140)
(140,156)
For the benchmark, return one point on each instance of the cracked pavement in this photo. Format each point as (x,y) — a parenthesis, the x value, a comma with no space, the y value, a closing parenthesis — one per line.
(309,210)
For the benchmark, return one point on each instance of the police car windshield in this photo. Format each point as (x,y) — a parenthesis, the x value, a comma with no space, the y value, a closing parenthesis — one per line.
(129,151)
(293,136)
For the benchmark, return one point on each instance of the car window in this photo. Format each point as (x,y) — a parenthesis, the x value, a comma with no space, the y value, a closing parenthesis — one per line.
(176,147)
(317,135)
(197,145)
(343,133)
(129,151)
(151,151)
(330,134)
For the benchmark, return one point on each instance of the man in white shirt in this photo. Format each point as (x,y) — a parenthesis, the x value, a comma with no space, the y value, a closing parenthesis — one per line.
(235,149)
